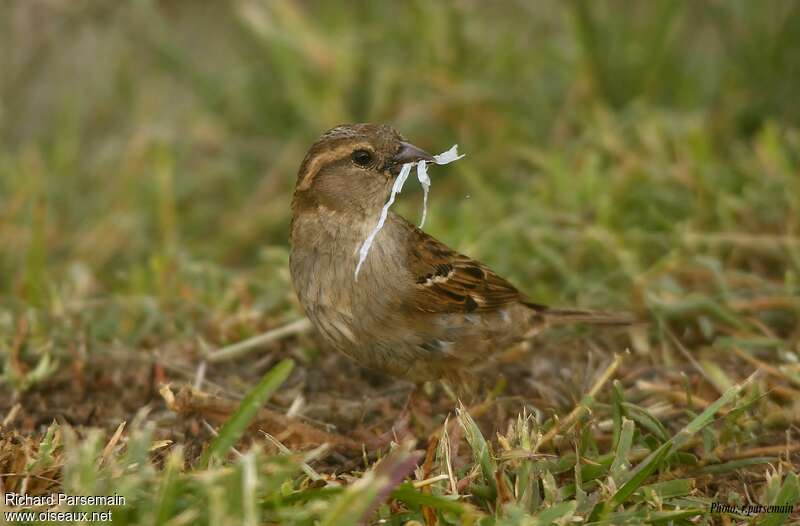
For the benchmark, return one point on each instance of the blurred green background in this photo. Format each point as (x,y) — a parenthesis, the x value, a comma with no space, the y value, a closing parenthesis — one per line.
(619,153)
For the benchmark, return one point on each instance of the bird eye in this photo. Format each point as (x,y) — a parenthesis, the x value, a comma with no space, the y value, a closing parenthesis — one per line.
(362,157)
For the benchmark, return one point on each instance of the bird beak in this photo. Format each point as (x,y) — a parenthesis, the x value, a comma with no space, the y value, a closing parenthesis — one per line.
(408,153)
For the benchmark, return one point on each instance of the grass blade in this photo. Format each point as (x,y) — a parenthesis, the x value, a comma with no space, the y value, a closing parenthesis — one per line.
(620,466)
(233,429)
(480,448)
(788,496)
(655,459)
(560,512)
(411,496)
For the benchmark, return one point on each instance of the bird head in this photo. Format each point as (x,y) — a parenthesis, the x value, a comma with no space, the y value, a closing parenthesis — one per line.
(351,168)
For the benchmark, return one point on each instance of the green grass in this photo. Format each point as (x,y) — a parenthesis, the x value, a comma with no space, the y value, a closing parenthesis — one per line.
(638,156)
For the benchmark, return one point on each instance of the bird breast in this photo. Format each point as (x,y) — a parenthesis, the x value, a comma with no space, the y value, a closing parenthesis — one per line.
(350,313)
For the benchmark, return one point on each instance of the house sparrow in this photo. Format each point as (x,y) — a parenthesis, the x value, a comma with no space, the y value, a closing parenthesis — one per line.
(418,309)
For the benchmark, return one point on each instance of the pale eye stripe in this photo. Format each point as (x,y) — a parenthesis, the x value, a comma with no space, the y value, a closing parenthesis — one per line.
(327,156)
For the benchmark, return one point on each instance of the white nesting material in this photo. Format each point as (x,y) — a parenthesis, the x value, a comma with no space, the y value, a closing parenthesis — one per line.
(422,176)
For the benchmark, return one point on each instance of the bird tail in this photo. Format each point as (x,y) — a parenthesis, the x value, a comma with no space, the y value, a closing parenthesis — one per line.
(591,317)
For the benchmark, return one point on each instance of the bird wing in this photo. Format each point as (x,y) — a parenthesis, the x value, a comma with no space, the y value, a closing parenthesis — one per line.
(448,282)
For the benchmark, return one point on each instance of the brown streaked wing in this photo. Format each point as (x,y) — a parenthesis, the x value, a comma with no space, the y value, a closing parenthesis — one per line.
(446,281)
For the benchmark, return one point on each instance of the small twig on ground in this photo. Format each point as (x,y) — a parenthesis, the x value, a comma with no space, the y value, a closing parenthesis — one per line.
(427,482)
(200,375)
(111,444)
(311,472)
(243,347)
(669,392)
(760,452)
(11,416)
